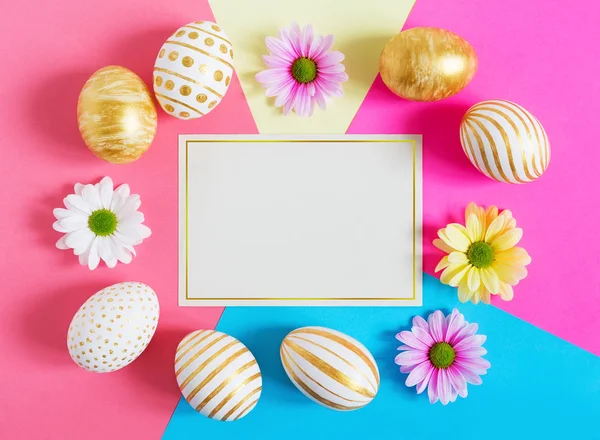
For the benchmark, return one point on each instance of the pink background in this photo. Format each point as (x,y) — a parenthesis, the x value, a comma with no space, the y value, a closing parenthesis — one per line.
(538,54)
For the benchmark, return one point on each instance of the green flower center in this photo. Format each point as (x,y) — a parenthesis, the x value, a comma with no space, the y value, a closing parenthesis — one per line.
(442,355)
(480,254)
(304,70)
(102,222)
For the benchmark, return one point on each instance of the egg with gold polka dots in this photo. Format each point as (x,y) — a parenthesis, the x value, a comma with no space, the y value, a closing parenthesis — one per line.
(193,70)
(113,327)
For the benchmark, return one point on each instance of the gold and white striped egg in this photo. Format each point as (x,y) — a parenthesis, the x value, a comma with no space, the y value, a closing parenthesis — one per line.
(330,367)
(113,327)
(217,375)
(505,142)
(193,70)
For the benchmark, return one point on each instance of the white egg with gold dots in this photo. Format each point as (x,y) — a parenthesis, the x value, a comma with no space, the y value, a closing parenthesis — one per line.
(193,70)
(113,327)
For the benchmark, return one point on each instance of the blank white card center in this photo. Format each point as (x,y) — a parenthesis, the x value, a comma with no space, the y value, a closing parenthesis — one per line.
(300,221)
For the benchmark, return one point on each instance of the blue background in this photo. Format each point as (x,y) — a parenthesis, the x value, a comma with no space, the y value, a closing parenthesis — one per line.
(539,386)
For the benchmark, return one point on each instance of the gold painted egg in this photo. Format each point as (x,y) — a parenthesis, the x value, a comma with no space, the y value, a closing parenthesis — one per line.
(330,368)
(113,327)
(193,70)
(217,375)
(116,115)
(427,64)
(505,142)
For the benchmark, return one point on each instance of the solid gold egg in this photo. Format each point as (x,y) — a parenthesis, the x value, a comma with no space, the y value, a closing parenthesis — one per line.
(427,64)
(116,115)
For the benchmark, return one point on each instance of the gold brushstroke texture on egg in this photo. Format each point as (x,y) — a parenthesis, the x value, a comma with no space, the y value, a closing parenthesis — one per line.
(427,64)
(217,375)
(330,368)
(116,115)
(505,142)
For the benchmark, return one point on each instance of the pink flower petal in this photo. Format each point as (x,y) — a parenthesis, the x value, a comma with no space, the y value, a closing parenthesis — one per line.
(465,332)
(280,49)
(469,343)
(418,321)
(275,61)
(295,39)
(306,40)
(453,395)
(456,321)
(472,353)
(432,390)
(407,368)
(320,97)
(330,59)
(443,386)
(457,380)
(282,91)
(273,76)
(411,358)
(326,44)
(423,384)
(411,340)
(337,68)
(330,88)
(470,376)
(314,46)
(424,336)
(478,366)
(418,374)
(335,77)
(437,325)
(291,101)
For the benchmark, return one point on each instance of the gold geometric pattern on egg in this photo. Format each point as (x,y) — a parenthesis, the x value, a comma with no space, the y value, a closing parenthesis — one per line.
(113,327)
(505,142)
(196,61)
(330,368)
(217,375)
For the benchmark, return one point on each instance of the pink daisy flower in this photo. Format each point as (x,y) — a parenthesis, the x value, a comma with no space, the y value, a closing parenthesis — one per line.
(442,354)
(301,70)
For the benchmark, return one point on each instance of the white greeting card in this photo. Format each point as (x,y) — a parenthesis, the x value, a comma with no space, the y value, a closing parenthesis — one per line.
(280,220)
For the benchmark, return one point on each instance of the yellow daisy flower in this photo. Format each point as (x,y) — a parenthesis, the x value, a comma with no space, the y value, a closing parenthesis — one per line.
(483,258)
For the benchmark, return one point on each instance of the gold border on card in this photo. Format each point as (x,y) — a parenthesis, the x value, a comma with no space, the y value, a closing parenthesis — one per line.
(414,217)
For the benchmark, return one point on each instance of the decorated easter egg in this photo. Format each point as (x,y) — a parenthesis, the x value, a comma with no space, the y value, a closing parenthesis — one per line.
(116,115)
(113,327)
(330,368)
(505,142)
(217,375)
(427,64)
(193,70)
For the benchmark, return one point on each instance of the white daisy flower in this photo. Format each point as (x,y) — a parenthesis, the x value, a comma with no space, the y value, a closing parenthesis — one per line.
(101,224)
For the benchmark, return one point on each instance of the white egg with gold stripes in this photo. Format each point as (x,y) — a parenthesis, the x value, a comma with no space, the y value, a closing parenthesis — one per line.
(330,367)
(217,375)
(193,70)
(505,142)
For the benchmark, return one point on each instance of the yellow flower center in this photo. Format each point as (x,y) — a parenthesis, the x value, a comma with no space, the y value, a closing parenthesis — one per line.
(480,254)
(442,355)
(304,70)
